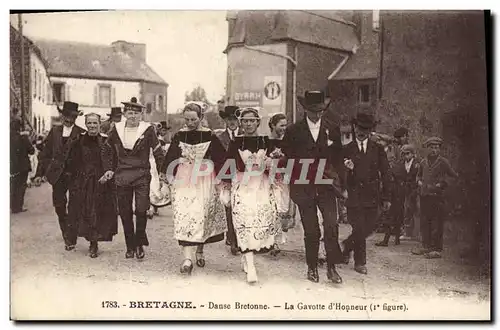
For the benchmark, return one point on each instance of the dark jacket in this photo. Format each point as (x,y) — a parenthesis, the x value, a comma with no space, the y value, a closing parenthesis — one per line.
(298,144)
(434,175)
(369,182)
(225,139)
(133,165)
(52,160)
(20,149)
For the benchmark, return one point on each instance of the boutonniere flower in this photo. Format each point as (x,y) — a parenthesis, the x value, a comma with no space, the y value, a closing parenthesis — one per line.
(276,153)
(329,142)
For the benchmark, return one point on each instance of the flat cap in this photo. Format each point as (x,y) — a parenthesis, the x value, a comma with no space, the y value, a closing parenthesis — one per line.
(433,140)
(408,148)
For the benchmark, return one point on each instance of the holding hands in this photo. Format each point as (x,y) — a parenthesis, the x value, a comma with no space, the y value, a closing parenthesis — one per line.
(106,177)
(349,163)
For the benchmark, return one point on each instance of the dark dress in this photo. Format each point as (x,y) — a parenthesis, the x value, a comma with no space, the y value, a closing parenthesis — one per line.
(286,207)
(92,204)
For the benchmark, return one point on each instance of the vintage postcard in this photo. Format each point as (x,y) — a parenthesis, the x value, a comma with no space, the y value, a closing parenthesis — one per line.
(250,165)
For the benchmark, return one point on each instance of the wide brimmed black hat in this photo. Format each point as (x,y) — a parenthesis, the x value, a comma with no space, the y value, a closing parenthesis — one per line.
(314,101)
(115,111)
(364,120)
(70,109)
(229,111)
(133,105)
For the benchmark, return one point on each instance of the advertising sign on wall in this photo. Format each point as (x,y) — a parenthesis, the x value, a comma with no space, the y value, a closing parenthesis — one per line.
(273,90)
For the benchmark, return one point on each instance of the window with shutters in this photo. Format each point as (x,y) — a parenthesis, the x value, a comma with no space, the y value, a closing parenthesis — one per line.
(36,84)
(49,93)
(58,89)
(160,103)
(39,93)
(104,95)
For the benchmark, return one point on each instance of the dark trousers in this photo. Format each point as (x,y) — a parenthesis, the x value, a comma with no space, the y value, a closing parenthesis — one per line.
(432,222)
(134,237)
(363,222)
(309,216)
(410,213)
(60,201)
(18,190)
(231,234)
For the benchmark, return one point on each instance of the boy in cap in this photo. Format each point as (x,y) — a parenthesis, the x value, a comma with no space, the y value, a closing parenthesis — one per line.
(431,179)
(132,141)
(404,196)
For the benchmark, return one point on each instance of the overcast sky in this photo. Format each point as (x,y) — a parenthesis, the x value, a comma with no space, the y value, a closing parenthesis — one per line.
(183,47)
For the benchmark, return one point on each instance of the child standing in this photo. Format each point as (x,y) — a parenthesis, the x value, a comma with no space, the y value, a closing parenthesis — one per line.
(431,179)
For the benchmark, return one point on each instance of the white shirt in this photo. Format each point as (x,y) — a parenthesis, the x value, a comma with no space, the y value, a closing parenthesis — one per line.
(314,128)
(408,165)
(67,130)
(362,145)
(129,137)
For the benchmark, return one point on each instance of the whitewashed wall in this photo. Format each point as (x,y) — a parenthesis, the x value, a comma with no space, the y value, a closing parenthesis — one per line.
(41,108)
(85,91)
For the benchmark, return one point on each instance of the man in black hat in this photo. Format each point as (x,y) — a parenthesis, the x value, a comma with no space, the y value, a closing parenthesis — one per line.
(132,141)
(52,162)
(114,117)
(315,149)
(228,114)
(367,167)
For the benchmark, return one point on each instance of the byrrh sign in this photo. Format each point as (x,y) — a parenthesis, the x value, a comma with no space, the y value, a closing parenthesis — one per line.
(248,97)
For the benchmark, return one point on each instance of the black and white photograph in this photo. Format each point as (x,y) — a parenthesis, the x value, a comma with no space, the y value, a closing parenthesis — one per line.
(251,165)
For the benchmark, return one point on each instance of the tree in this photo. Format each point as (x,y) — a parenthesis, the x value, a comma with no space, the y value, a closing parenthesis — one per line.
(197,94)
(212,117)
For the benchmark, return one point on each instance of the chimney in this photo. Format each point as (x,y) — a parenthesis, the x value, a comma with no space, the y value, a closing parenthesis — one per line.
(365,28)
(135,50)
(231,18)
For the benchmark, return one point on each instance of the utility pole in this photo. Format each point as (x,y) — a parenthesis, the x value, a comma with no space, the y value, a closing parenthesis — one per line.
(23,110)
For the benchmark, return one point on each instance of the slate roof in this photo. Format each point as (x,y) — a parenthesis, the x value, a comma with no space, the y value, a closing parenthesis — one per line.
(94,61)
(263,27)
(364,64)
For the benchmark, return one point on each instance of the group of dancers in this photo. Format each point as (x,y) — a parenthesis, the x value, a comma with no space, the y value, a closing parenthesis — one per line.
(235,184)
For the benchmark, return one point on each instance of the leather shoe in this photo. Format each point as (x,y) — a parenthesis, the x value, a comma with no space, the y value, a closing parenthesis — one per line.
(234,250)
(333,276)
(346,254)
(69,247)
(361,269)
(312,275)
(140,252)
(129,254)
(93,249)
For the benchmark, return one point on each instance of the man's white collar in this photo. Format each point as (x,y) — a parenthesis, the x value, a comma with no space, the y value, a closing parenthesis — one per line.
(120,129)
(312,124)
